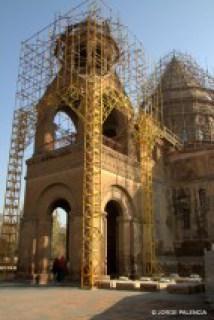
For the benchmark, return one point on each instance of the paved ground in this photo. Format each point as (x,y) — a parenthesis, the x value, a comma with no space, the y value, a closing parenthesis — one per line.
(64,303)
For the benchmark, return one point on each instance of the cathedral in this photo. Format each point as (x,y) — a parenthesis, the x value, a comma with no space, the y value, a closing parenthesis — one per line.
(182,179)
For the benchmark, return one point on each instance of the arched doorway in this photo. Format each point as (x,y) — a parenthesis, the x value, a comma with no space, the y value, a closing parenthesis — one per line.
(113,211)
(60,226)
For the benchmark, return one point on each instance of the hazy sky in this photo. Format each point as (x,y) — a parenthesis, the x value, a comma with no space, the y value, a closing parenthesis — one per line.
(162,25)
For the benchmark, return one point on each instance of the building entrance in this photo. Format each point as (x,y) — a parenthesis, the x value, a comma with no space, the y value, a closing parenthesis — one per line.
(60,230)
(113,212)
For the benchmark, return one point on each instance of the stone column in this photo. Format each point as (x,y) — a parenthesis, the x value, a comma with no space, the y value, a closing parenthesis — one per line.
(49,136)
(136,248)
(45,134)
(209,277)
(26,249)
(104,244)
(124,246)
(43,251)
(75,245)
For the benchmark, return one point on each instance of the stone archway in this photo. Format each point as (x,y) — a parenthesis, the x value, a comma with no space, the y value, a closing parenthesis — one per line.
(56,195)
(60,229)
(113,213)
(118,213)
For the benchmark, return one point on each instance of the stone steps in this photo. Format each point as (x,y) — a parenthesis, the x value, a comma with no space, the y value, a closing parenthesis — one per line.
(151,286)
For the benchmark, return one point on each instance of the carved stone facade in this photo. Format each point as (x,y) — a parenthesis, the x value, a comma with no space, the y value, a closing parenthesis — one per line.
(192,197)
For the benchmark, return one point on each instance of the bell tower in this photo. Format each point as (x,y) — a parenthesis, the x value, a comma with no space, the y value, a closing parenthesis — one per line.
(85,166)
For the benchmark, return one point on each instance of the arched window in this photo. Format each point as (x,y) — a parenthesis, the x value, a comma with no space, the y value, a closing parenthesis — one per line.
(110,126)
(65,130)
(115,131)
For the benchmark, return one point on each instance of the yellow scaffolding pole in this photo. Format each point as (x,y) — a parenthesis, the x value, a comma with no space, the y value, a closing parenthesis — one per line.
(149,133)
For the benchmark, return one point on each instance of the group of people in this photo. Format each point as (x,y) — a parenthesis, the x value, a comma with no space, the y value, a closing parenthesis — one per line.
(59,268)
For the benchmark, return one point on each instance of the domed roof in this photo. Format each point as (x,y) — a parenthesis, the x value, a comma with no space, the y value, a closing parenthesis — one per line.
(183,75)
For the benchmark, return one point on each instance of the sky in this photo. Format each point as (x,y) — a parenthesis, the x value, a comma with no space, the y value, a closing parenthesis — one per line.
(162,25)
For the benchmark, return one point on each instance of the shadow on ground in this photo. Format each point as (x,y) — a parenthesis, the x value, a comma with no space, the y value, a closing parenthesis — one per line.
(72,303)
(155,306)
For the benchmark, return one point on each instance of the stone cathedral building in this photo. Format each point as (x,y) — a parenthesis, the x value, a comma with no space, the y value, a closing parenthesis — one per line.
(183,181)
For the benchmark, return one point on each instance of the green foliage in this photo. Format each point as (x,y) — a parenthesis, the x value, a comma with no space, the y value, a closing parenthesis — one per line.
(58,237)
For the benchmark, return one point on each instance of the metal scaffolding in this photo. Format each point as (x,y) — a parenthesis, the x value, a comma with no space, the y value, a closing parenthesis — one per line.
(150,131)
(94,65)
(187,94)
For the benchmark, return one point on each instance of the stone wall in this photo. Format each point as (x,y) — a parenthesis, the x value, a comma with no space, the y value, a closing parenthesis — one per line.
(209,275)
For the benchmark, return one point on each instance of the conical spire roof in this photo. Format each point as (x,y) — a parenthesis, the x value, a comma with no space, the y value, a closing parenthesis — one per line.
(181,74)
(178,75)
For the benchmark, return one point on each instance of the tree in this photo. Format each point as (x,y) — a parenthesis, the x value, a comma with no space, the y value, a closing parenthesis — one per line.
(58,236)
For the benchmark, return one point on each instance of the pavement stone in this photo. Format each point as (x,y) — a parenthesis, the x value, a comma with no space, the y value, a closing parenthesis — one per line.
(66,303)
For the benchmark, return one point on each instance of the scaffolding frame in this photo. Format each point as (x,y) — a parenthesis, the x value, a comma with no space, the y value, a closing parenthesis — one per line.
(89,56)
(179,73)
(188,93)
(150,131)
(53,58)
